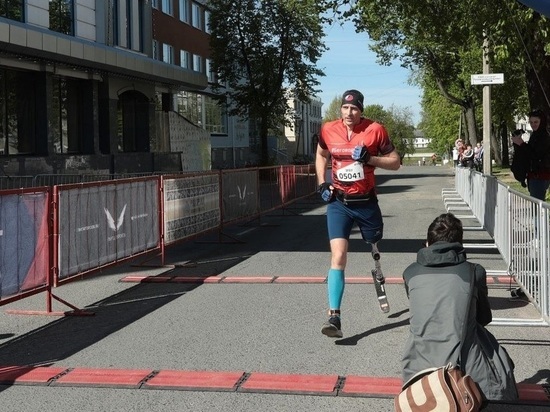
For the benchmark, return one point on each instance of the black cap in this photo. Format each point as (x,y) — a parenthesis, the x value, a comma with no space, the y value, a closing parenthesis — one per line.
(353,97)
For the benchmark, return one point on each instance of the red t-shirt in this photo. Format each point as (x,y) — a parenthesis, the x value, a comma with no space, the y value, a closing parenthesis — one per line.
(348,175)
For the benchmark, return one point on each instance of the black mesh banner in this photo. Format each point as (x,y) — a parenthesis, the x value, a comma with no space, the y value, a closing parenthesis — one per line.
(240,194)
(105,223)
(191,206)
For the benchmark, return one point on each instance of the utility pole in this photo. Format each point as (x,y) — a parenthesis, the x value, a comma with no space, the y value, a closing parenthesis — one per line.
(487,161)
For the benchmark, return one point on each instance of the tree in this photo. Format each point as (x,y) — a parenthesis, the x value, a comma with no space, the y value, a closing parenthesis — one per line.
(444,41)
(399,124)
(333,110)
(263,53)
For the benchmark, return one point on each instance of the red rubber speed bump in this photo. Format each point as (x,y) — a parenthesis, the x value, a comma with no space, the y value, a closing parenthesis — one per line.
(300,279)
(371,386)
(104,378)
(29,375)
(195,380)
(247,279)
(533,393)
(296,384)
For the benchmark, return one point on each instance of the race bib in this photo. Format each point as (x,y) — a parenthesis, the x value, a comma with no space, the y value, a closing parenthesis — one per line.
(351,173)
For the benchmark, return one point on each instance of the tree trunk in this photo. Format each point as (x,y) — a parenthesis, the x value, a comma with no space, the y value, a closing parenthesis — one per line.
(503,132)
(470,119)
(538,77)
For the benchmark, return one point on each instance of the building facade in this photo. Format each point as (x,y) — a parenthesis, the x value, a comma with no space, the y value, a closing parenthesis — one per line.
(84,85)
(302,135)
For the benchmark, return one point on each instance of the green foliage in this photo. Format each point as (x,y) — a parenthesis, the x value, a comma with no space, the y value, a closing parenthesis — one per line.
(263,51)
(399,124)
(440,120)
(333,110)
(444,41)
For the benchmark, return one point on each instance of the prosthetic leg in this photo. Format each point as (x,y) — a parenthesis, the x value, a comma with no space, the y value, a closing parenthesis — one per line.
(378,278)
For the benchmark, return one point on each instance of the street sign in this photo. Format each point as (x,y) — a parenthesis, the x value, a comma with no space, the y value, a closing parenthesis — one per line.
(491,78)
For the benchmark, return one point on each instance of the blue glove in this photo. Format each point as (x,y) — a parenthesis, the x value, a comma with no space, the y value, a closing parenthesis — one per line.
(361,154)
(325,191)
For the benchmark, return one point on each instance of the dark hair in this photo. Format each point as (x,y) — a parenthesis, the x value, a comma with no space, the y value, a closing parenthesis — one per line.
(542,116)
(447,228)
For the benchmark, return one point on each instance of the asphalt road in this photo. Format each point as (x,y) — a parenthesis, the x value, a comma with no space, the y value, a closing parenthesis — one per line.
(250,324)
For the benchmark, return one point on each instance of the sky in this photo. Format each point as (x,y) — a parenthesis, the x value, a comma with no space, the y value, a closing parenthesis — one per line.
(349,64)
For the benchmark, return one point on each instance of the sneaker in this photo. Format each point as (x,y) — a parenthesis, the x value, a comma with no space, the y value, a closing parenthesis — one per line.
(517,293)
(332,328)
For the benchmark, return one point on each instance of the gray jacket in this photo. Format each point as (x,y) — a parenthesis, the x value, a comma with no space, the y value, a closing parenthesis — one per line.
(438,287)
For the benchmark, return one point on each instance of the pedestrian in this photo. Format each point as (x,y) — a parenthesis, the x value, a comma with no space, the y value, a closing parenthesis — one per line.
(521,159)
(355,146)
(455,156)
(538,153)
(468,156)
(448,314)
(478,156)
(460,147)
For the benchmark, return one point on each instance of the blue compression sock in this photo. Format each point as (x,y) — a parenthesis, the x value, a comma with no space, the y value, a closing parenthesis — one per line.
(335,286)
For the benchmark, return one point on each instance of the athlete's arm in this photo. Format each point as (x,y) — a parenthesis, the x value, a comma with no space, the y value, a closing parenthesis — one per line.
(321,163)
(390,161)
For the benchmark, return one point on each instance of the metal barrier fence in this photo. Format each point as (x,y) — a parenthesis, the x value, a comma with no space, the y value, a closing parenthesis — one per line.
(520,227)
(89,222)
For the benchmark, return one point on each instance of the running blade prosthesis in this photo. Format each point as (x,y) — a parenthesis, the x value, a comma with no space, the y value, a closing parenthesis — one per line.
(378,278)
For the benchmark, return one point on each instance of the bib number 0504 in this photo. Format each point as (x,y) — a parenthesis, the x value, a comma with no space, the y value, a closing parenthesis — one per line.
(351,173)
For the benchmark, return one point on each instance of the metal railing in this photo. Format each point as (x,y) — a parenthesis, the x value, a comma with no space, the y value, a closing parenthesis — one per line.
(520,227)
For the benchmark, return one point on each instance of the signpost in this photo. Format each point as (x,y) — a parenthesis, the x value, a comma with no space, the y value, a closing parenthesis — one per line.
(486,80)
(491,78)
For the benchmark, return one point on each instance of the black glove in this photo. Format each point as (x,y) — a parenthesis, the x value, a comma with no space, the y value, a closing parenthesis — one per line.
(361,154)
(325,191)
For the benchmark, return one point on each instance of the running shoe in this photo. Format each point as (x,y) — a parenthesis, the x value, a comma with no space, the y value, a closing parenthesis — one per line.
(332,328)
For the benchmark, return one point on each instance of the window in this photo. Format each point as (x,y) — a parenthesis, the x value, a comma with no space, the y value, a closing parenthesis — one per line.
(12,9)
(17,116)
(155,4)
(212,78)
(167,54)
(215,119)
(204,111)
(127,23)
(167,6)
(197,22)
(156,54)
(189,105)
(64,119)
(62,16)
(207,21)
(184,10)
(197,63)
(185,59)
(133,122)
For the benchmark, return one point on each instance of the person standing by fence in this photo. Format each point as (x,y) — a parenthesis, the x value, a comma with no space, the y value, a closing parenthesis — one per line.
(356,146)
(538,153)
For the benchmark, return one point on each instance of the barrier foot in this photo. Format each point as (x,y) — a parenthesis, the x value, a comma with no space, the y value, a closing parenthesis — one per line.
(74,312)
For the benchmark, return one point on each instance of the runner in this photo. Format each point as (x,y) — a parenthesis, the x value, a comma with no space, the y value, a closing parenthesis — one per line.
(355,146)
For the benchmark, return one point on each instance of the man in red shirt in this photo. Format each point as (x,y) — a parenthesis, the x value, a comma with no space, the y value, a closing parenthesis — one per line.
(355,146)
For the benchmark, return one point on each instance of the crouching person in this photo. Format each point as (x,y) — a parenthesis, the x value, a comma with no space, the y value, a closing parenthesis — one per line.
(441,300)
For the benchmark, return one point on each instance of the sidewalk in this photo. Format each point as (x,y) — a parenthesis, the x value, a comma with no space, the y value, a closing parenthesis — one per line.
(232,322)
